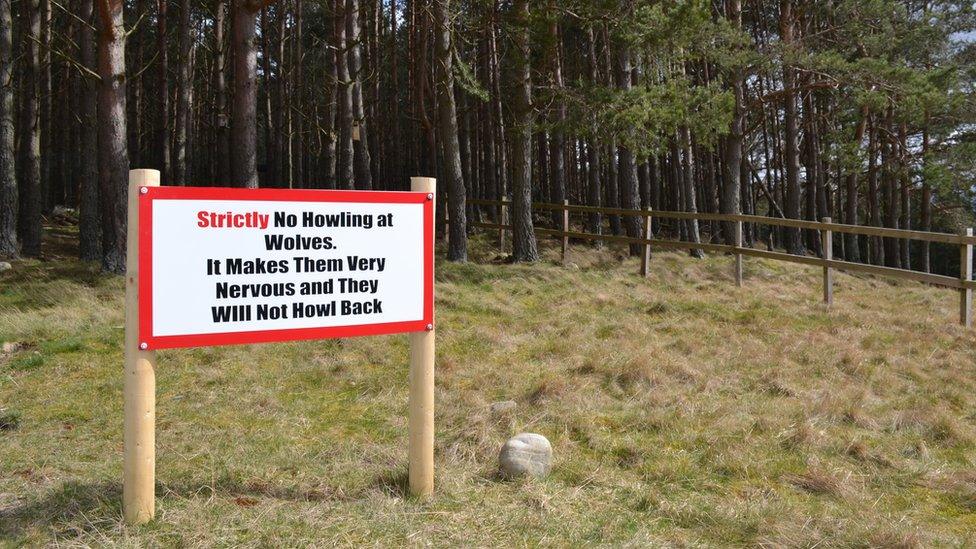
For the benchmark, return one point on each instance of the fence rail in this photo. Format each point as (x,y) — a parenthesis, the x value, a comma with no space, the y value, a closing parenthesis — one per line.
(965,240)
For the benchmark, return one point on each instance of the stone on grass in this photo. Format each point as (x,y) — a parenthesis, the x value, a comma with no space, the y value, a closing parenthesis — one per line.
(4,266)
(10,347)
(525,454)
(503,406)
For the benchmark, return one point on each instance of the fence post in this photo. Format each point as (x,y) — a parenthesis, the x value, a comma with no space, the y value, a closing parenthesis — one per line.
(965,275)
(828,255)
(420,420)
(139,386)
(502,219)
(738,256)
(565,229)
(646,256)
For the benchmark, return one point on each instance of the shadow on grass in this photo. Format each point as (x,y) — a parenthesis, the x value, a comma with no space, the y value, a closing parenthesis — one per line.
(395,484)
(72,506)
(241,491)
(77,507)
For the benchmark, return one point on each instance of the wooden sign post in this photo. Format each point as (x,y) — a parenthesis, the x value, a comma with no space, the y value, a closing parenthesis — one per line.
(139,461)
(232,266)
(421,415)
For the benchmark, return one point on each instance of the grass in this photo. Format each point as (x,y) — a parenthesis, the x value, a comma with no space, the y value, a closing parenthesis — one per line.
(682,411)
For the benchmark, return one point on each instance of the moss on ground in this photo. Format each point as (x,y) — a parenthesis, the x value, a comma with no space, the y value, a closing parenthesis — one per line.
(682,410)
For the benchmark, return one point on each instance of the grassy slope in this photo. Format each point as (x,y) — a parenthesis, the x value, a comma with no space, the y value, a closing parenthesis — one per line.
(682,411)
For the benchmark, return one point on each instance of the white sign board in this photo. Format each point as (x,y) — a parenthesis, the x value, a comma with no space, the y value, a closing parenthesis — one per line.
(224,266)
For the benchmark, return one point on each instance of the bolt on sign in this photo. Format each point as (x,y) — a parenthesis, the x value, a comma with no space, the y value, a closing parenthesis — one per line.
(224,266)
(221,266)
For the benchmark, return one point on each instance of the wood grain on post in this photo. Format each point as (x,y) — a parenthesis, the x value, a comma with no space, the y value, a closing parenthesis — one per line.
(139,461)
(828,275)
(646,255)
(565,230)
(965,275)
(738,256)
(421,392)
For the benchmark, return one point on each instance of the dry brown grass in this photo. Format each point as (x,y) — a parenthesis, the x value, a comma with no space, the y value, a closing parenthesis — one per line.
(683,412)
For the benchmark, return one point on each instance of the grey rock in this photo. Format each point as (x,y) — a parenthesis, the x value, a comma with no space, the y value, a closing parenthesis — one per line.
(4,266)
(525,454)
(11,347)
(503,406)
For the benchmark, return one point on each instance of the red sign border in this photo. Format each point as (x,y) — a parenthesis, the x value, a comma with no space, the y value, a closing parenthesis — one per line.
(148,195)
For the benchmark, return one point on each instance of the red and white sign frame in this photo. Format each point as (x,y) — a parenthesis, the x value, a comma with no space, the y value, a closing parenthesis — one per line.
(150,194)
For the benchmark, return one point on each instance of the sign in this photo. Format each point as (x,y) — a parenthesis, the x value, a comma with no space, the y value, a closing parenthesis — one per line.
(222,266)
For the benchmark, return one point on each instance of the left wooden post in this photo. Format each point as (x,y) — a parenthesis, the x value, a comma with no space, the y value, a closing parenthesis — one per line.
(421,393)
(139,462)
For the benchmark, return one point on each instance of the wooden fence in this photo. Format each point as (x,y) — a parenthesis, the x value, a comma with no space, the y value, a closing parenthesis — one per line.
(965,240)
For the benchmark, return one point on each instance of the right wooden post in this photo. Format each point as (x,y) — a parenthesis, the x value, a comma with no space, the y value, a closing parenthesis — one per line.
(420,422)
(565,230)
(828,255)
(738,256)
(966,275)
(646,256)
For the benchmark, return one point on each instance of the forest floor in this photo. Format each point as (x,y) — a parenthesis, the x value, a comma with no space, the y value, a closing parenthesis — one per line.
(682,411)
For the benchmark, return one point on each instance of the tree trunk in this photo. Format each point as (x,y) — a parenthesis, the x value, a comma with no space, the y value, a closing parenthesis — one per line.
(346,173)
(9,246)
(298,102)
(852,249)
(457,249)
(244,171)
(688,182)
(113,157)
(629,189)
(135,87)
(89,223)
(523,234)
(557,142)
(498,118)
(220,75)
(926,200)
(363,168)
(791,154)
(44,106)
(905,218)
(729,203)
(812,157)
(280,146)
(889,180)
(29,216)
(329,145)
(876,250)
(594,190)
(183,86)
(162,91)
